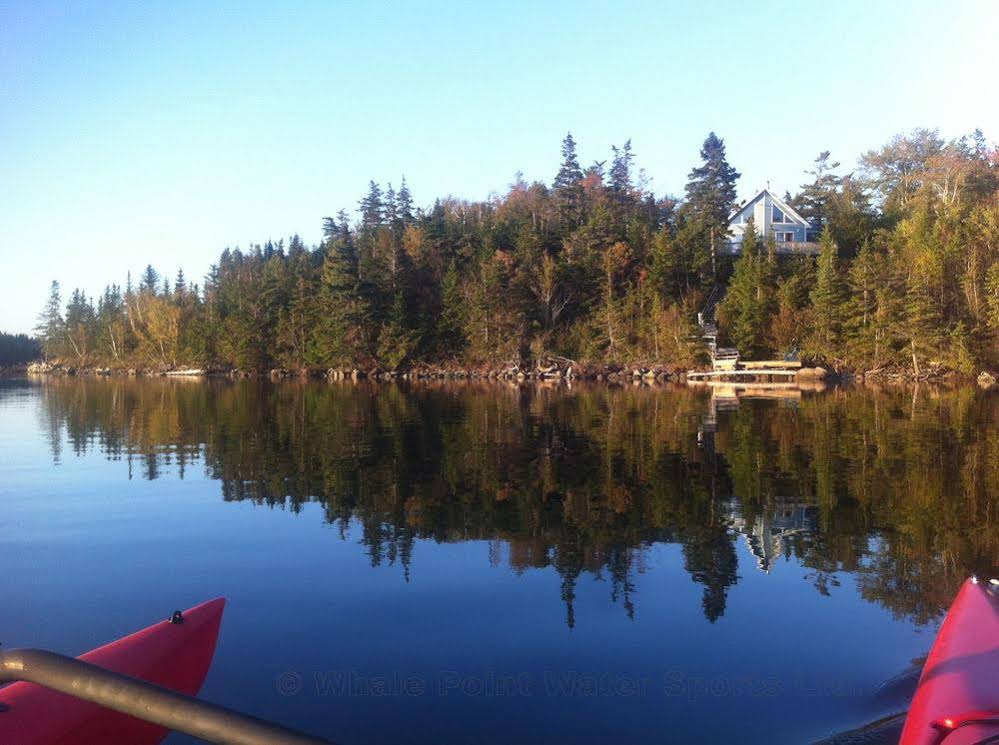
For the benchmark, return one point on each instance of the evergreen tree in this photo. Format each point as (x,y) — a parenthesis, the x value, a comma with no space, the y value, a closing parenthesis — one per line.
(150,280)
(814,196)
(567,186)
(391,209)
(620,184)
(451,328)
(111,326)
(50,323)
(848,215)
(710,187)
(397,341)
(80,326)
(372,208)
(666,273)
(341,337)
(404,204)
(864,338)
(296,325)
(828,298)
(748,305)
(792,317)
(918,246)
(569,173)
(180,284)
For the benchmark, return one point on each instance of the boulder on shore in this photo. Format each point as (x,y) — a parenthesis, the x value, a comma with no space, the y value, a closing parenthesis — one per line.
(811,373)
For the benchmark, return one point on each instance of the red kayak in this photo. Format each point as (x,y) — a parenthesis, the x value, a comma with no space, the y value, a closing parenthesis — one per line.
(175,654)
(957,701)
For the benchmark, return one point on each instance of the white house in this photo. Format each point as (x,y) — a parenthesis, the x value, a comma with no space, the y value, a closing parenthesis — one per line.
(774,218)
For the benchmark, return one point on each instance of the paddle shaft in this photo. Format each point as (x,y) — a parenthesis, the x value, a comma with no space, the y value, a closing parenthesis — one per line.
(149,702)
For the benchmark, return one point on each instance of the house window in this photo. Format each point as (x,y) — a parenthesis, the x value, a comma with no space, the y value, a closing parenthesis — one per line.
(785,237)
(778,216)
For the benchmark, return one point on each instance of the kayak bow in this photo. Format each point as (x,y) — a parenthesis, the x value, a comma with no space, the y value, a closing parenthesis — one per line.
(957,701)
(128,692)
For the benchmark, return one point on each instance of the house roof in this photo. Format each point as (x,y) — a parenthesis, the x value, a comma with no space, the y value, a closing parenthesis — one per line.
(784,207)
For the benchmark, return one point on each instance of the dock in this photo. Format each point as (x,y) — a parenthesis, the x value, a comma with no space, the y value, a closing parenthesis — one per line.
(746,370)
(727,364)
(741,374)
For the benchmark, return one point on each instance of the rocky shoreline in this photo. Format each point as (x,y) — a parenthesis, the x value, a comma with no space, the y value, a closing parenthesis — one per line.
(549,371)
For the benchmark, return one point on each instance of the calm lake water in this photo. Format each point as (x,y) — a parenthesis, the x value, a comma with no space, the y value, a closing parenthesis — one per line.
(501,564)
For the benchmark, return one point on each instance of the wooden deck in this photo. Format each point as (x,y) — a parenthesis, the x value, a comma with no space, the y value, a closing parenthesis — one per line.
(741,374)
(770,364)
(730,367)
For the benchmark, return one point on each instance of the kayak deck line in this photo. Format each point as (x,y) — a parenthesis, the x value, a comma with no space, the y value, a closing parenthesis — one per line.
(128,692)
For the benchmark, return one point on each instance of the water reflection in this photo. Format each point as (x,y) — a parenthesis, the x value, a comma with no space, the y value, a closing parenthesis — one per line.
(896,487)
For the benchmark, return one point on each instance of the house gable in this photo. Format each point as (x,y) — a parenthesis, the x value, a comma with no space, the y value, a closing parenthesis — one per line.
(774,219)
(791,215)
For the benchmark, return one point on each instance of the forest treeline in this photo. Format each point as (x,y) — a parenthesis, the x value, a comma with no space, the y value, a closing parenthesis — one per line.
(16,349)
(593,267)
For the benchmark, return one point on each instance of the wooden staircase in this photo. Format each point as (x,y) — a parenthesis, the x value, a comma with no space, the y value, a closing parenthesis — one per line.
(722,358)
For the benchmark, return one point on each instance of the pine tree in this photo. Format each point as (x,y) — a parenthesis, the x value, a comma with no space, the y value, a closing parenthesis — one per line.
(49,329)
(711,186)
(748,306)
(296,325)
(391,209)
(666,274)
(863,336)
(454,316)
(567,186)
(341,337)
(404,203)
(792,318)
(922,320)
(111,323)
(396,342)
(372,208)
(828,297)
(924,306)
(569,173)
(620,184)
(150,280)
(80,326)
(693,252)
(848,215)
(811,201)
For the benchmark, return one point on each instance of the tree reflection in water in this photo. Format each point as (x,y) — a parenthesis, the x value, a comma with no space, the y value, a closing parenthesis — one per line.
(897,487)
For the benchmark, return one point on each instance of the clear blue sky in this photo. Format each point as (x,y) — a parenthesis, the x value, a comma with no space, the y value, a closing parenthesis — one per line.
(133,133)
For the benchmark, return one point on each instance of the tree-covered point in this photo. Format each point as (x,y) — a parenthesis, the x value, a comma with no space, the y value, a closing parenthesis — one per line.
(594,267)
(17,349)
